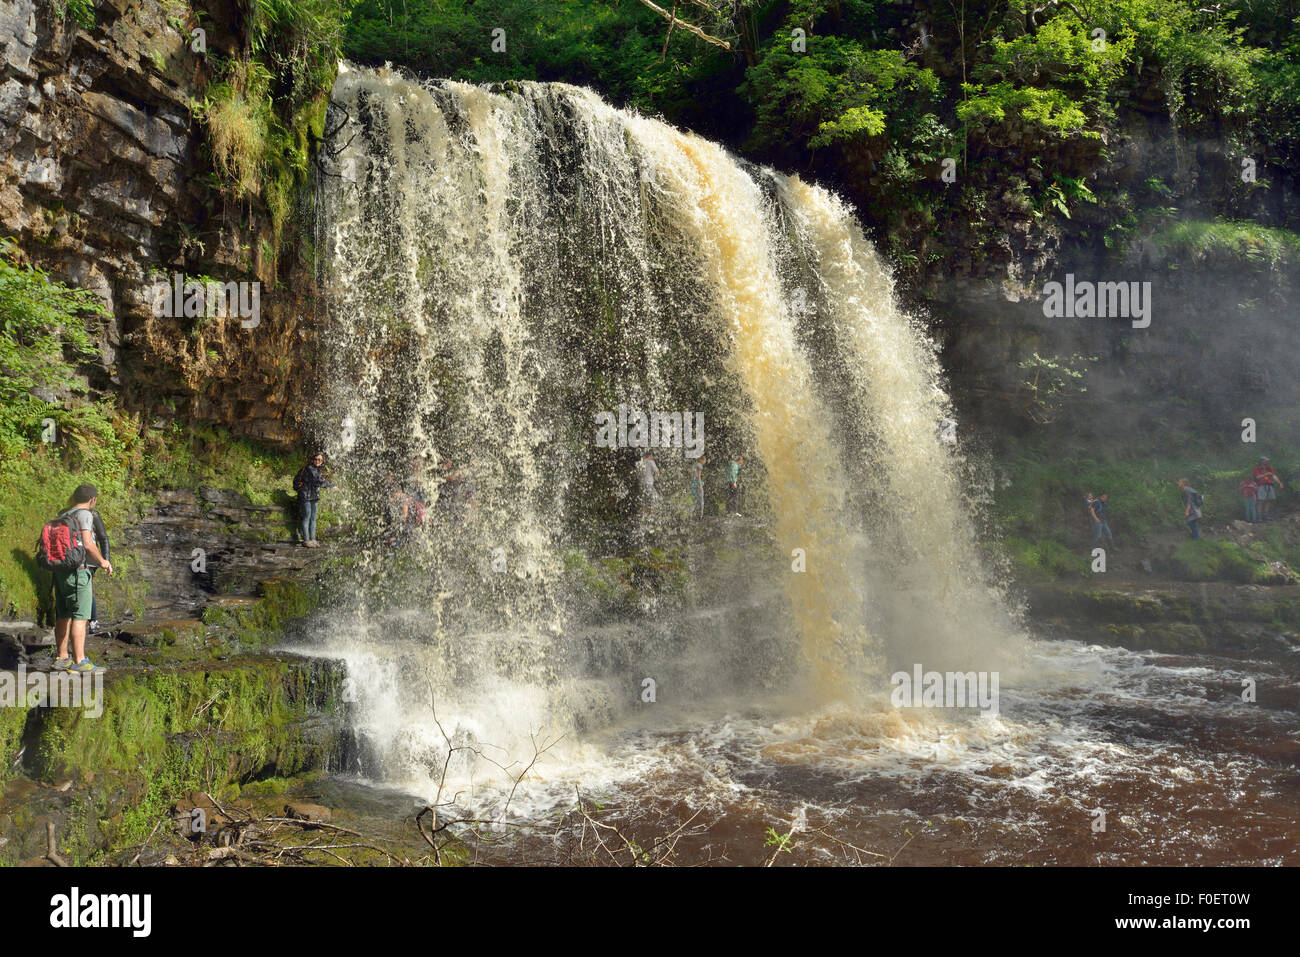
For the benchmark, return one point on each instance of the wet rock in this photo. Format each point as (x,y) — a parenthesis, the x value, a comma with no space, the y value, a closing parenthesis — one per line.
(26,635)
(314,813)
(12,653)
(241,545)
(163,633)
(223,496)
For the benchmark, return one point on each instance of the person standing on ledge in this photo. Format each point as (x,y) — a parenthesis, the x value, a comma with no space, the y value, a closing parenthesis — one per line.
(1248,490)
(73,591)
(1266,494)
(1192,502)
(308,483)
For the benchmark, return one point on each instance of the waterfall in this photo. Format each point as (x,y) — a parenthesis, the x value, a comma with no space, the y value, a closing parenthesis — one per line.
(499,267)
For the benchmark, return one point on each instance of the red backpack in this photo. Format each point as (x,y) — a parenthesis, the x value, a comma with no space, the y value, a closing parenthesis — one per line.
(60,548)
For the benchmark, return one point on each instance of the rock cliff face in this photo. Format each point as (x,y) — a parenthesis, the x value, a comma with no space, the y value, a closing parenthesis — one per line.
(106,181)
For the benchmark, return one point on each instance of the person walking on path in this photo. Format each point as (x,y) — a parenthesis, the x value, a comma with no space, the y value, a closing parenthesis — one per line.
(1269,482)
(308,483)
(73,589)
(1192,502)
(1097,512)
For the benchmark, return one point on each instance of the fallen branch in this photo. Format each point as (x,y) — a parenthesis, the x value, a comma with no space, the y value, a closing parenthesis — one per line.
(52,854)
(688,27)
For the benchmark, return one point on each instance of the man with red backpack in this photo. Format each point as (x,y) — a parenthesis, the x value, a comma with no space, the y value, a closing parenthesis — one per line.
(67,548)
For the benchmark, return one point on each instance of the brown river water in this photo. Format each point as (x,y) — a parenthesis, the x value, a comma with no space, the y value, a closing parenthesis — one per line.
(1186,772)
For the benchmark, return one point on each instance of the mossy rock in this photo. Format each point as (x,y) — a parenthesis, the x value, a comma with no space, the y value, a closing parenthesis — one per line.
(162,735)
(1180,638)
(261,624)
(12,723)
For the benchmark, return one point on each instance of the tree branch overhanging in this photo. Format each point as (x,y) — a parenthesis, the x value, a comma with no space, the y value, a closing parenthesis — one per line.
(688,27)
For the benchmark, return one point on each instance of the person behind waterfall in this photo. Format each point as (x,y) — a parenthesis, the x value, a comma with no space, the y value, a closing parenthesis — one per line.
(1192,501)
(733,484)
(398,508)
(649,470)
(308,483)
(457,491)
(1097,512)
(697,486)
(1268,482)
(73,590)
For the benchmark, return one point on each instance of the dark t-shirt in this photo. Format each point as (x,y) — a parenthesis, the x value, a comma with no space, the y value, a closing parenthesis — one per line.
(1099,509)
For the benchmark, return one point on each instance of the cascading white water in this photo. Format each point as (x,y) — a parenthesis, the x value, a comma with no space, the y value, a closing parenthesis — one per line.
(502,265)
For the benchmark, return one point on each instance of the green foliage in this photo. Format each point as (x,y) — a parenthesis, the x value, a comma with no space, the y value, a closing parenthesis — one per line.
(165,734)
(1044,560)
(1210,560)
(851,107)
(837,91)
(266,109)
(42,334)
(868,104)
(1249,244)
(82,12)
(1049,111)
(262,624)
(1047,382)
(1277,79)
(187,456)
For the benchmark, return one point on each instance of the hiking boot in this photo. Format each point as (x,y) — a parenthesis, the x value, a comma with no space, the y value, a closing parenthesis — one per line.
(85,667)
(61,664)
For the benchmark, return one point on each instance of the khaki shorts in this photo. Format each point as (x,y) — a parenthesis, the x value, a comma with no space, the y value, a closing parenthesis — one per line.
(73,593)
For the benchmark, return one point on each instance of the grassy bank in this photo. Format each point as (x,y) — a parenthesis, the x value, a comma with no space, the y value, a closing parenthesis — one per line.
(1038,510)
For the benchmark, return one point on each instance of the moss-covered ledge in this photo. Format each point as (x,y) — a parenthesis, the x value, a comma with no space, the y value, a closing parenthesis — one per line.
(106,782)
